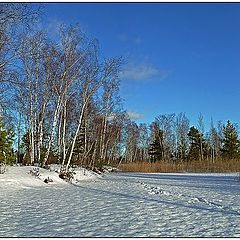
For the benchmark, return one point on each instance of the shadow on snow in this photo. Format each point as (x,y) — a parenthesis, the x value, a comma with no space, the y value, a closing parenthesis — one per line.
(127,196)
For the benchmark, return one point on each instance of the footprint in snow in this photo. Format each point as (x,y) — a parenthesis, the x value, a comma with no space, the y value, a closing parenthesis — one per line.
(193,200)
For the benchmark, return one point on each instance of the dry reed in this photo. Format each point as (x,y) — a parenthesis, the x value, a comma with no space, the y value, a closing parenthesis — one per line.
(232,165)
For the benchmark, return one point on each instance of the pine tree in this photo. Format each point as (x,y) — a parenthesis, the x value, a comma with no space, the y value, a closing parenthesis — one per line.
(154,151)
(230,141)
(196,139)
(156,148)
(6,142)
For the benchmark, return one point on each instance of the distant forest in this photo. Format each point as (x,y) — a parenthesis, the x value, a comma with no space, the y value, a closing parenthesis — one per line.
(60,103)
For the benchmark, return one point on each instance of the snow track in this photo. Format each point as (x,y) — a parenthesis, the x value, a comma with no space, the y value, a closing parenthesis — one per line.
(187,198)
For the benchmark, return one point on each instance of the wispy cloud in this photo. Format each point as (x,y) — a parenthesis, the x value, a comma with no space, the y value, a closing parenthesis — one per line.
(134,115)
(50,26)
(123,37)
(53,27)
(142,72)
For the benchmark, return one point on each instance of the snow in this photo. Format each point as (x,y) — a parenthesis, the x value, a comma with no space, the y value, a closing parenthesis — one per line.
(122,205)
(81,174)
(20,177)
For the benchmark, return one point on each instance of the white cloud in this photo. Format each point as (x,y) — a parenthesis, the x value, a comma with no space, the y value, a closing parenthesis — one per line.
(134,115)
(141,72)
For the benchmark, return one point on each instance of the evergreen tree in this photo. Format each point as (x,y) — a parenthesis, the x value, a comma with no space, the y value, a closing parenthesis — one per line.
(156,148)
(25,149)
(196,140)
(154,151)
(79,146)
(6,142)
(230,147)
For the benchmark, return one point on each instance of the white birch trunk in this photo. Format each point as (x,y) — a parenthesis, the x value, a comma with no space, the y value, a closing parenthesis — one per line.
(76,133)
(86,96)
(55,118)
(31,137)
(103,138)
(36,154)
(60,136)
(64,133)
(40,132)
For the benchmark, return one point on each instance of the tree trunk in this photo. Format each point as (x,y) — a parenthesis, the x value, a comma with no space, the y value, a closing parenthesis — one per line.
(55,118)
(32,151)
(76,133)
(60,137)
(40,132)
(64,133)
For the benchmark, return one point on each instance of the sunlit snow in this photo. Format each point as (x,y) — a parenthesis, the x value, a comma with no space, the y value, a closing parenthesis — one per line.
(122,205)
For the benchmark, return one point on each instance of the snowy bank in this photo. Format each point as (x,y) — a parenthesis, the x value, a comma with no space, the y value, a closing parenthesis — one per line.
(22,177)
(81,174)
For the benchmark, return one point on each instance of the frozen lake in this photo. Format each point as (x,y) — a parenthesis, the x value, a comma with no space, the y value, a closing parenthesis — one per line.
(126,205)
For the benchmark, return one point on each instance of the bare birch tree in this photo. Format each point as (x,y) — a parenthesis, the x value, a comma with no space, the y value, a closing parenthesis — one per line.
(93,77)
(182,129)
(201,130)
(166,123)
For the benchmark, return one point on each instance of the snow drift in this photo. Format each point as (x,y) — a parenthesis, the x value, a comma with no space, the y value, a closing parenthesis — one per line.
(29,176)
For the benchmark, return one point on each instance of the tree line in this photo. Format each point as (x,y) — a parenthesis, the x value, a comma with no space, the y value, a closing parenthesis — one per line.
(174,138)
(60,103)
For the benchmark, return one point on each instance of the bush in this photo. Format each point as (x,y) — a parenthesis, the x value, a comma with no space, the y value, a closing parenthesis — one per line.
(35,172)
(66,175)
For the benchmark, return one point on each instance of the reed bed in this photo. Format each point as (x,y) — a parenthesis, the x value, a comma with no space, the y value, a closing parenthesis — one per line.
(217,166)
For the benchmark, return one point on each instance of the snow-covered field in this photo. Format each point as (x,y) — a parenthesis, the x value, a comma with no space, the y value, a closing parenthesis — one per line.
(122,205)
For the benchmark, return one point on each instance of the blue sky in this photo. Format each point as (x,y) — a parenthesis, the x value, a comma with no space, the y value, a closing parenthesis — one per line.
(179,57)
